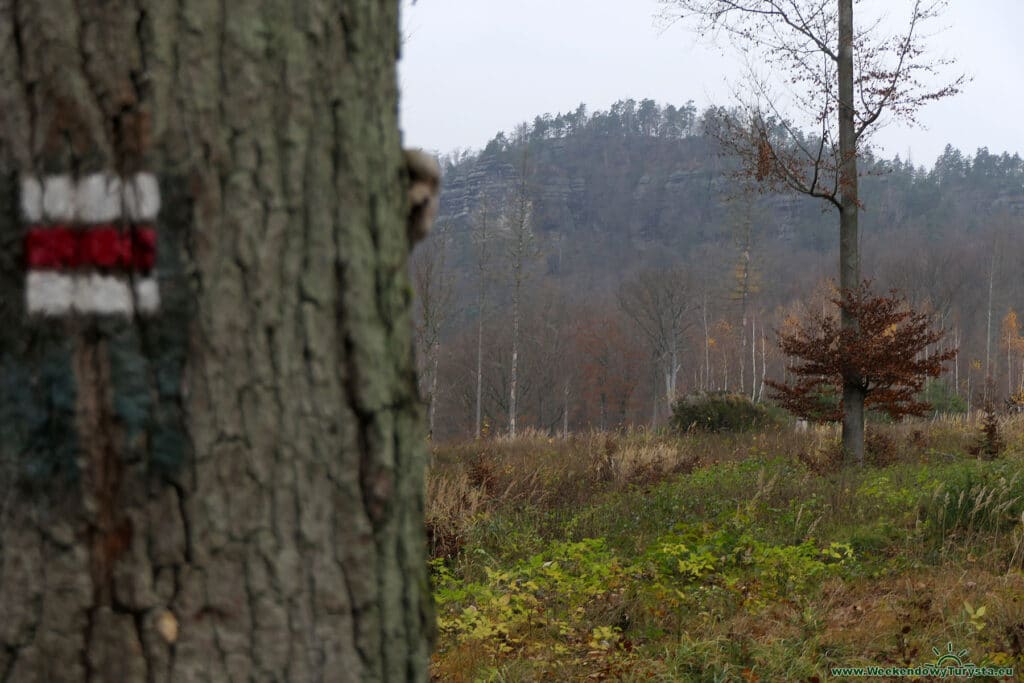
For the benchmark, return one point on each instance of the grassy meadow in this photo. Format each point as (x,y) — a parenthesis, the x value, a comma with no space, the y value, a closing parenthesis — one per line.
(643,556)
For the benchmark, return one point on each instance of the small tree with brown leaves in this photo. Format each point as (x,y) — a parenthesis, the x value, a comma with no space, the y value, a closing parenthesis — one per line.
(841,79)
(883,354)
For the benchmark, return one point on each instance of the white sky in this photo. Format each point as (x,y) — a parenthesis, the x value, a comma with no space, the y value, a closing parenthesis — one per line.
(470,68)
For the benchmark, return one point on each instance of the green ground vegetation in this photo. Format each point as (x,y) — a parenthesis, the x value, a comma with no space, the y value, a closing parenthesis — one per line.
(725,557)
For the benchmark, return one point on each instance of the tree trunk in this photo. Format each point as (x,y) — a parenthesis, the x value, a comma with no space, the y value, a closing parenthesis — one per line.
(764,365)
(956,360)
(671,377)
(968,392)
(753,357)
(229,488)
(707,345)
(435,356)
(849,256)
(565,410)
(515,364)
(655,394)
(988,321)
(743,356)
(479,372)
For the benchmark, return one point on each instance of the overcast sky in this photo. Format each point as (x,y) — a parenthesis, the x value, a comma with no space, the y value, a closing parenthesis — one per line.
(470,68)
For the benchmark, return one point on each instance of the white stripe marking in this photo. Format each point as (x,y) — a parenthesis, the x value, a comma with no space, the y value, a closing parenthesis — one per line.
(98,198)
(101,294)
(58,198)
(48,293)
(147,294)
(142,197)
(32,199)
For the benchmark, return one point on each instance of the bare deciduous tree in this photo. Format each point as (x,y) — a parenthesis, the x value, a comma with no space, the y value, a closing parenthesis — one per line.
(745,282)
(517,220)
(842,81)
(659,303)
(435,289)
(482,227)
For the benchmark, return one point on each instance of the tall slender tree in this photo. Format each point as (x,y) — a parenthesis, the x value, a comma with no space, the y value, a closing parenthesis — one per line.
(521,252)
(1010,340)
(840,80)
(746,281)
(988,320)
(482,227)
(220,450)
(435,291)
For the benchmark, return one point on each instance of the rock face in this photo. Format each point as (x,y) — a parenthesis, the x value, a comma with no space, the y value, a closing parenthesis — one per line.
(466,186)
(610,199)
(640,196)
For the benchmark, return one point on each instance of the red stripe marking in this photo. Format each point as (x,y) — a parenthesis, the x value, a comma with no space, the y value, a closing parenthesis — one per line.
(51,248)
(104,246)
(143,249)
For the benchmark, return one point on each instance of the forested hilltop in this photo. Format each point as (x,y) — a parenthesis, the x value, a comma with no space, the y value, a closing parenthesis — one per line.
(637,266)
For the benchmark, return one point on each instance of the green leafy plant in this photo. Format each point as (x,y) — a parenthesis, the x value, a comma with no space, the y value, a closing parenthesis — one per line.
(976,616)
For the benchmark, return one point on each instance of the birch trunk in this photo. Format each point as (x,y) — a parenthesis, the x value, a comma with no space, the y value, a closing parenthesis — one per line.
(753,357)
(515,363)
(764,365)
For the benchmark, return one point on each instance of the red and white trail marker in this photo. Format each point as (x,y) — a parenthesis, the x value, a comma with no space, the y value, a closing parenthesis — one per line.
(90,247)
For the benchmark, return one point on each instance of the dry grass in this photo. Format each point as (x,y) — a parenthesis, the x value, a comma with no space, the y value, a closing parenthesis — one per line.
(538,470)
(453,502)
(471,478)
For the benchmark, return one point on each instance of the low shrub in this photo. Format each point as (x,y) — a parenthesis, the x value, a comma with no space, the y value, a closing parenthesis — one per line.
(719,412)
(880,449)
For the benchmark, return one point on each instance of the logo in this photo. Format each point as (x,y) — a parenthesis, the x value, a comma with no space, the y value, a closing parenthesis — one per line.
(949,664)
(948,659)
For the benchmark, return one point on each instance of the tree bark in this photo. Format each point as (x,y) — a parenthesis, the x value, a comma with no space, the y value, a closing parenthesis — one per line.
(764,365)
(232,488)
(956,360)
(514,374)
(753,358)
(521,252)
(707,344)
(849,256)
(435,357)
(565,410)
(988,321)
(479,372)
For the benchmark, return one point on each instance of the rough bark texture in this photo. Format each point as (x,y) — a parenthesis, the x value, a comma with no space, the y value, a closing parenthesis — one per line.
(231,490)
(849,253)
